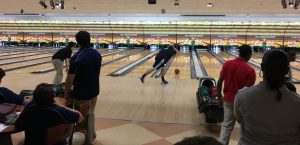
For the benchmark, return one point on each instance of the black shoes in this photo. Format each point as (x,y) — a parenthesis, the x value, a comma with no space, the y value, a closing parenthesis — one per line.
(142,79)
(164,82)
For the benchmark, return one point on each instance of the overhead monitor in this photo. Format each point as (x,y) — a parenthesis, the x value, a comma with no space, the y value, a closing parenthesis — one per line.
(151,1)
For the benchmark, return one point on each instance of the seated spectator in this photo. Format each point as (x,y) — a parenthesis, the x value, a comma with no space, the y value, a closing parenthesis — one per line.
(8,96)
(42,113)
(268,112)
(197,140)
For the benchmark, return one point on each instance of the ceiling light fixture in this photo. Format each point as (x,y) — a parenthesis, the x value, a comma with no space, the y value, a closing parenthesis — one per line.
(43,4)
(284,5)
(297,2)
(291,3)
(176,3)
(209,5)
(57,4)
(62,4)
(52,4)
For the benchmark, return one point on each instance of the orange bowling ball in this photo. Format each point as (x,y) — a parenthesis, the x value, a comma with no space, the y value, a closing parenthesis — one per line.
(177,71)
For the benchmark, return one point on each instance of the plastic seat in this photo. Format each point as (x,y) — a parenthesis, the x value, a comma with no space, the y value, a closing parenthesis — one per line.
(58,133)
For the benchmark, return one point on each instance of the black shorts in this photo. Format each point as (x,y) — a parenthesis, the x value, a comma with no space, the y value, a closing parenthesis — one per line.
(158,63)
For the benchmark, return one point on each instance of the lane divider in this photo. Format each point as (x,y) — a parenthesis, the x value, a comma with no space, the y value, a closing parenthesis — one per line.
(123,71)
(197,67)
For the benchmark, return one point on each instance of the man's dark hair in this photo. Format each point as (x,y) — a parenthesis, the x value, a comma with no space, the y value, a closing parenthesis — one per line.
(197,140)
(2,73)
(245,51)
(43,95)
(70,44)
(83,38)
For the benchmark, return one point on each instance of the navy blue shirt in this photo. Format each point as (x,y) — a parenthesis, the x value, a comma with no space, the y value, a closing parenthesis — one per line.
(11,97)
(36,119)
(85,65)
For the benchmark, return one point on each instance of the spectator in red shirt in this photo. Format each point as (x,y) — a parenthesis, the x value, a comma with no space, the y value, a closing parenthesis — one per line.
(236,74)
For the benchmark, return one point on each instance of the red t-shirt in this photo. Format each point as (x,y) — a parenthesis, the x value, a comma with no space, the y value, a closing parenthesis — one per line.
(236,74)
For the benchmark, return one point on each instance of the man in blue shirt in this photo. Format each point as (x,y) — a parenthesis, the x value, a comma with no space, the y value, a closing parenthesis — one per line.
(84,74)
(8,96)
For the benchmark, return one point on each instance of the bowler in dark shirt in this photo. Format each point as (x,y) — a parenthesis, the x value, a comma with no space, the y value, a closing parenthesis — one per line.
(57,61)
(161,59)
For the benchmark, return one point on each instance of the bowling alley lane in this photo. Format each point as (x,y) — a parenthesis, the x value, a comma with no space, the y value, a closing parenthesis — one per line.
(296,74)
(142,68)
(211,64)
(4,55)
(21,49)
(181,62)
(117,55)
(104,59)
(19,55)
(227,57)
(9,66)
(27,57)
(105,70)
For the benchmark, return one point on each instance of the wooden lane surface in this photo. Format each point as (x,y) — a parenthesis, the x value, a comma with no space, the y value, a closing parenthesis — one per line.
(27,57)
(105,70)
(37,67)
(127,98)
(117,55)
(11,57)
(9,66)
(295,73)
(139,71)
(212,66)
(181,62)
(48,65)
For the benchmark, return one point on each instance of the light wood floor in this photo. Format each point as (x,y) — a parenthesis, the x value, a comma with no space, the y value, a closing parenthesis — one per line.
(126,98)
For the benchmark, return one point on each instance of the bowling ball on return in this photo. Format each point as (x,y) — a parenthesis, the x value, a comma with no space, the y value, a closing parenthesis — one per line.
(177,71)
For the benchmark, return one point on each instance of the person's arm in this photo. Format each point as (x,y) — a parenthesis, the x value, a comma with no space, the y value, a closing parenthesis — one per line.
(67,60)
(175,49)
(12,97)
(219,87)
(68,85)
(236,107)
(69,79)
(251,77)
(73,111)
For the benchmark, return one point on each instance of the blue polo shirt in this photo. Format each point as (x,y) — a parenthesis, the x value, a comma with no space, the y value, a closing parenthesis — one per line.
(85,65)
(35,120)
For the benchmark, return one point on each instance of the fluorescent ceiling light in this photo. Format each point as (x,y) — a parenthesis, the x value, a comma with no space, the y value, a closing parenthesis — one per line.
(209,5)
